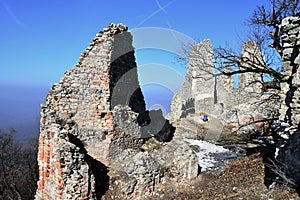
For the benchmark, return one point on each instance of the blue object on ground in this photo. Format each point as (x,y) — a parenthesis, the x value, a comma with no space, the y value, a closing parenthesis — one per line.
(261,137)
(205,118)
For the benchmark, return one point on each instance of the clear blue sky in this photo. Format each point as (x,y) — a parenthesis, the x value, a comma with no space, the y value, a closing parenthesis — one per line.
(40,40)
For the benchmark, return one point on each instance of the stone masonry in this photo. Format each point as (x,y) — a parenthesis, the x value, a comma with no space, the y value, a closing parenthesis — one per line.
(89,117)
(206,92)
(197,85)
(289,141)
(94,121)
(94,133)
(203,93)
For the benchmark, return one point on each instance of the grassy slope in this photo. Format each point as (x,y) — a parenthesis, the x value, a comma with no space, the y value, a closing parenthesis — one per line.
(242,179)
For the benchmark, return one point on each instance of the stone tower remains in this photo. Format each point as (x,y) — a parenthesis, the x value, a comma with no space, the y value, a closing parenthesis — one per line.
(90,116)
(207,91)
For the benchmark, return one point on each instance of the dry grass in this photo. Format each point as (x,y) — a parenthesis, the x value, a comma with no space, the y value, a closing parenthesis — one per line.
(242,179)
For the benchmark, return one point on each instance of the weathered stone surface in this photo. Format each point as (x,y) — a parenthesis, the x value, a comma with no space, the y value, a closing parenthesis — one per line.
(141,175)
(196,88)
(90,117)
(159,127)
(94,122)
(251,57)
(289,143)
(206,93)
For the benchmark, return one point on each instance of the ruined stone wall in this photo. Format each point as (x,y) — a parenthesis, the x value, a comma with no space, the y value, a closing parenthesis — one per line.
(197,89)
(202,81)
(250,102)
(251,57)
(289,141)
(203,92)
(91,116)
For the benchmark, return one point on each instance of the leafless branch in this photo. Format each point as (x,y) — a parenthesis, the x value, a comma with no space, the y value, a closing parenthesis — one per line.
(278,171)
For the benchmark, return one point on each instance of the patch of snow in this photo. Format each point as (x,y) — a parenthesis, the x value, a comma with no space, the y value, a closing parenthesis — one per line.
(211,156)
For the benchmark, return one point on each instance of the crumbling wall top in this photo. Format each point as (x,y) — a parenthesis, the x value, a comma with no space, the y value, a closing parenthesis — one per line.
(81,130)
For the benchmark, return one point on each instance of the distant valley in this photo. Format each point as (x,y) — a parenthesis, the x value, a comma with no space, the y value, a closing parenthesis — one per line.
(20,109)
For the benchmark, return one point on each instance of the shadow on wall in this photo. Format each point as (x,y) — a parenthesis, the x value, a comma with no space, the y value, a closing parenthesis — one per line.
(159,127)
(291,154)
(124,83)
(125,87)
(273,169)
(98,169)
(188,108)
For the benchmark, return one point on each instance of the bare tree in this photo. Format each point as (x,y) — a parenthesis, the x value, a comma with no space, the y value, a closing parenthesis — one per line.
(270,16)
(263,30)
(18,167)
(266,53)
(262,60)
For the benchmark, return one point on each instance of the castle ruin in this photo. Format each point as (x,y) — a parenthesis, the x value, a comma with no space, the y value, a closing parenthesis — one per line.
(90,117)
(94,120)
